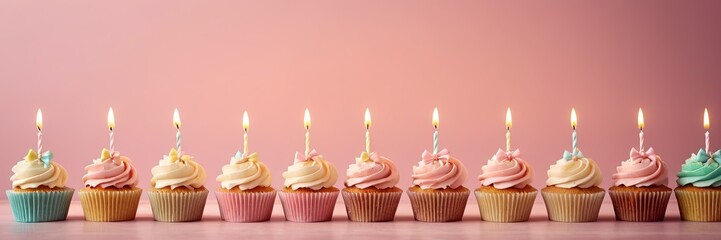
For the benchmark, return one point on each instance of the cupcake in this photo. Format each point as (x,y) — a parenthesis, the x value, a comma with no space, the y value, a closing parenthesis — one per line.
(371,194)
(572,193)
(699,188)
(505,194)
(309,195)
(245,194)
(110,192)
(437,194)
(639,191)
(177,193)
(39,193)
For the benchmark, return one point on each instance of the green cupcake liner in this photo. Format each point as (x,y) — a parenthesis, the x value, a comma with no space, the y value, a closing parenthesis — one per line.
(40,206)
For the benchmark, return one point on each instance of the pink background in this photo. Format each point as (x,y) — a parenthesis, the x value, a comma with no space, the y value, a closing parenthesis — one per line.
(471,59)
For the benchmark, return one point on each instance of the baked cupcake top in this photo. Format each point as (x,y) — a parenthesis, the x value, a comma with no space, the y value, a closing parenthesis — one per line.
(506,170)
(110,170)
(312,172)
(642,169)
(245,172)
(35,171)
(177,170)
(701,170)
(371,170)
(439,171)
(574,170)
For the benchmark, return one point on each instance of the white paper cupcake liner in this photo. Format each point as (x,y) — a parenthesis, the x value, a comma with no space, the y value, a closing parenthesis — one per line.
(505,206)
(308,206)
(573,207)
(639,206)
(177,206)
(110,206)
(438,206)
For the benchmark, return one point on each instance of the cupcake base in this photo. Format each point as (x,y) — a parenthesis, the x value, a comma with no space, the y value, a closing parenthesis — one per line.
(505,205)
(371,204)
(109,204)
(307,205)
(438,205)
(640,204)
(178,205)
(573,204)
(699,204)
(40,205)
(254,205)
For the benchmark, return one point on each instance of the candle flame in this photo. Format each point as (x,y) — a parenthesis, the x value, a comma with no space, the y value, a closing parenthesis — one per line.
(368,119)
(705,119)
(246,121)
(39,120)
(574,120)
(176,119)
(111,119)
(435,118)
(509,119)
(306,119)
(641,123)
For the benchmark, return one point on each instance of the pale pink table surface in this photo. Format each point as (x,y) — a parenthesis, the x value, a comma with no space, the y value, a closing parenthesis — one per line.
(404,227)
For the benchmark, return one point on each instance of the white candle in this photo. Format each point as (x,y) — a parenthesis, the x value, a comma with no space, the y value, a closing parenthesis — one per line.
(176,122)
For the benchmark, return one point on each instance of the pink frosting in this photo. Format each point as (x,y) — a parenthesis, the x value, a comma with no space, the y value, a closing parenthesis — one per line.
(115,171)
(378,172)
(505,170)
(440,172)
(642,169)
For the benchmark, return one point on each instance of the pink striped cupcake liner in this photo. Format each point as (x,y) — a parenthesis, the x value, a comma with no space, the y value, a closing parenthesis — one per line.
(245,206)
(371,206)
(640,206)
(438,206)
(177,206)
(573,207)
(308,206)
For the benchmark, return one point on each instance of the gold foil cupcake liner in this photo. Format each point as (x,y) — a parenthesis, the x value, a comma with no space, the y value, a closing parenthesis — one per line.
(699,206)
(371,206)
(438,206)
(505,206)
(573,207)
(110,206)
(169,206)
(639,206)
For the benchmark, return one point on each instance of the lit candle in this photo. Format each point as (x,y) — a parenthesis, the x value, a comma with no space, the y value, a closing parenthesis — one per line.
(435,133)
(39,124)
(706,126)
(246,125)
(640,128)
(111,126)
(574,121)
(368,132)
(176,121)
(306,123)
(509,121)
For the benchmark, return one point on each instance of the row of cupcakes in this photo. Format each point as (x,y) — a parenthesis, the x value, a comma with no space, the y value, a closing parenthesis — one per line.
(437,195)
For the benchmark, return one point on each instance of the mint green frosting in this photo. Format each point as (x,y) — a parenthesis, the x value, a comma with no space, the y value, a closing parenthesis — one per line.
(701,170)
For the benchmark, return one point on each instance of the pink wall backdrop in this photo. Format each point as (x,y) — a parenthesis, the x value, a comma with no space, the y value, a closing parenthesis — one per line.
(471,59)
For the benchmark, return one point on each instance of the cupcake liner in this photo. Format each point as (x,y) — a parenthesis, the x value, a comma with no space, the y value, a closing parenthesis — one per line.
(639,206)
(573,207)
(245,206)
(110,206)
(699,206)
(371,206)
(308,206)
(505,206)
(438,206)
(40,206)
(177,206)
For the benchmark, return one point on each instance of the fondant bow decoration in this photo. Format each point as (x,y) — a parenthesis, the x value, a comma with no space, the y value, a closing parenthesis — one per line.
(240,157)
(299,157)
(650,154)
(175,156)
(46,157)
(576,154)
(428,157)
(365,157)
(703,156)
(503,155)
(114,156)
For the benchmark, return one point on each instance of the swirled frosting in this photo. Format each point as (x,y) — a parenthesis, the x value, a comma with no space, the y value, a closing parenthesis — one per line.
(371,170)
(177,170)
(701,170)
(439,171)
(642,169)
(574,171)
(311,172)
(506,170)
(245,172)
(111,170)
(32,172)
